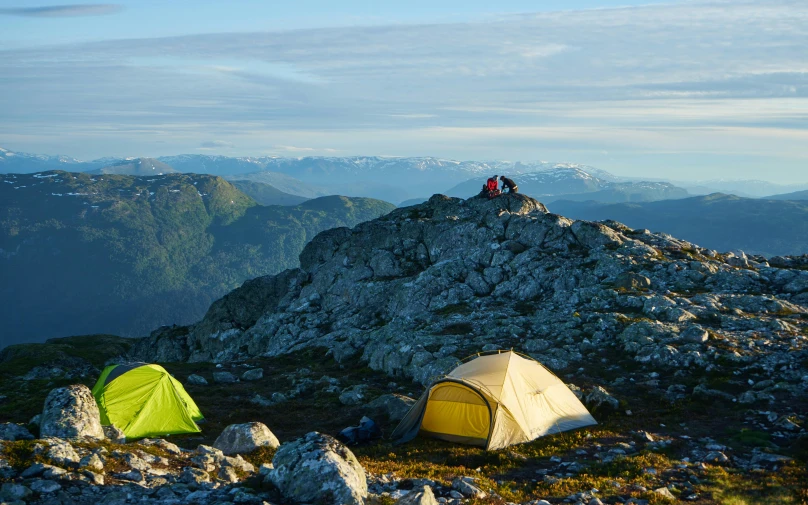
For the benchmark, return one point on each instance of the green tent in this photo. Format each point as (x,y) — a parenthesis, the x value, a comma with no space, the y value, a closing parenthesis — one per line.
(144,401)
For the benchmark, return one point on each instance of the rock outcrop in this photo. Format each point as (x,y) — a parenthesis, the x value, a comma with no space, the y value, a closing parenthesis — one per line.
(318,469)
(70,412)
(460,276)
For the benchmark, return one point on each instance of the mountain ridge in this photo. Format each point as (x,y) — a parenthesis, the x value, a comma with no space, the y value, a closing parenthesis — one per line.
(82,253)
(718,221)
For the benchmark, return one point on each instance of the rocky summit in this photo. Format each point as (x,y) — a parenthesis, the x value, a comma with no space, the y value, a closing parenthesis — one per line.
(693,362)
(416,290)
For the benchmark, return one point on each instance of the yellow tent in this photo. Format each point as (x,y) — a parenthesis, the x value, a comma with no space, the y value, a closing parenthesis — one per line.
(494,401)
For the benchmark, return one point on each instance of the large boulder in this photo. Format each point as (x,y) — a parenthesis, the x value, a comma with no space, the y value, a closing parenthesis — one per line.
(247,437)
(70,412)
(318,469)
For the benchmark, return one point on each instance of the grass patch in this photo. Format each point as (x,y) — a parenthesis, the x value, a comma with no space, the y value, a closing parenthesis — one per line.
(786,487)
(260,456)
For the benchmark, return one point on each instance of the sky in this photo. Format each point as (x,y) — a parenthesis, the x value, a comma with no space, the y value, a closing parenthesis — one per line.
(685,90)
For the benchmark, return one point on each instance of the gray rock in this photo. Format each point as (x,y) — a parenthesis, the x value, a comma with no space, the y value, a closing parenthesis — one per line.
(665,493)
(92,462)
(253,375)
(11,432)
(394,406)
(114,434)
(35,470)
(6,470)
(224,378)
(44,486)
(43,372)
(317,468)
(695,334)
(599,398)
(10,491)
(422,496)
(228,474)
(716,457)
(466,487)
(70,412)
(765,457)
(61,452)
(631,280)
(354,395)
(244,438)
(703,391)
(131,475)
(196,380)
(193,476)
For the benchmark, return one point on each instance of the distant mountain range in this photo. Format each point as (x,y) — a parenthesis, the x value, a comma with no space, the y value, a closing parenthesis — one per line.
(387,178)
(574,183)
(405,179)
(136,166)
(83,253)
(721,222)
(797,195)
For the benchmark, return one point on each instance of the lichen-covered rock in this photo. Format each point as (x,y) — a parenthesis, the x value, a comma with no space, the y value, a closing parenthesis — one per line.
(466,487)
(394,406)
(70,412)
(599,398)
(695,334)
(318,469)
(114,434)
(631,280)
(354,395)
(61,452)
(11,432)
(422,496)
(243,438)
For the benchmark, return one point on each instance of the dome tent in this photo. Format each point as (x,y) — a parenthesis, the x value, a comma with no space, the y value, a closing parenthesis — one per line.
(494,401)
(144,400)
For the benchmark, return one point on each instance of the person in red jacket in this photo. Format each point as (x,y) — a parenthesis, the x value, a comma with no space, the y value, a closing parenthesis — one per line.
(491,187)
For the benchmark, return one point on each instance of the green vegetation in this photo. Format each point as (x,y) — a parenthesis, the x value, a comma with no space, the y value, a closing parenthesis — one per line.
(266,194)
(119,254)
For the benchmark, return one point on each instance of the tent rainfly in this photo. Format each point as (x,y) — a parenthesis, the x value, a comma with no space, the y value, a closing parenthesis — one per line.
(144,400)
(494,401)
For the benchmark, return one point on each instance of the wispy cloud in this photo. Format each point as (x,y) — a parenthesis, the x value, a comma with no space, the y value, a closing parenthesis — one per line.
(216,144)
(309,150)
(61,11)
(550,85)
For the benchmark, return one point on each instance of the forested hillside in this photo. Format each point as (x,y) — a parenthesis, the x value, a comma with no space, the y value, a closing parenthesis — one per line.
(84,253)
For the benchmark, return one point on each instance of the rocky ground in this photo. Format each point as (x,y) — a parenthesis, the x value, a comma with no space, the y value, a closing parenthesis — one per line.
(694,363)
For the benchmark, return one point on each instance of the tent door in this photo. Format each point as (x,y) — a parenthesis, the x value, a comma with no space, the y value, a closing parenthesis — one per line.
(457,413)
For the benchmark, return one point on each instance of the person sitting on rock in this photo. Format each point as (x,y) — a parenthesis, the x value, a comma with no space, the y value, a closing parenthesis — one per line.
(491,187)
(508,183)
